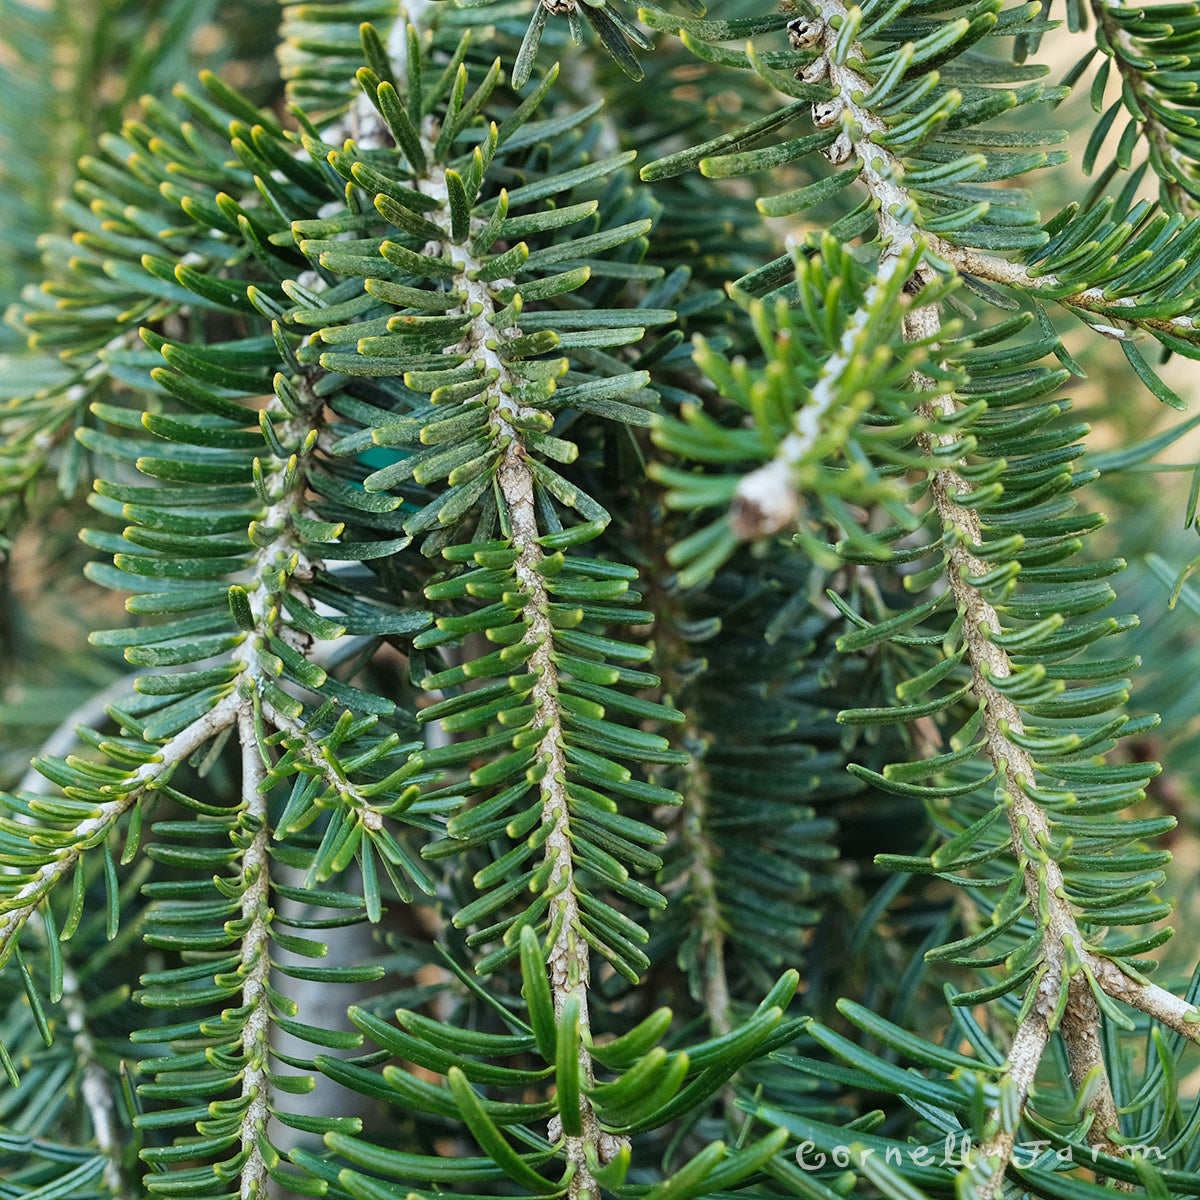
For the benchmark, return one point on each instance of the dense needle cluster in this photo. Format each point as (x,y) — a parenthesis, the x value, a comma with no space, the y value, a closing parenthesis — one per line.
(577,636)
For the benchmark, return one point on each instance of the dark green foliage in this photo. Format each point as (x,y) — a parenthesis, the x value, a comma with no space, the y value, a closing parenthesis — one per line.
(920,126)
(1152,51)
(575,635)
(102,58)
(288,495)
(1016,453)
(761,755)
(649,1088)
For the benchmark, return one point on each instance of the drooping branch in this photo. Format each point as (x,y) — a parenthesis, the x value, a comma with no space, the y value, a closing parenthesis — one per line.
(1003,726)
(18,907)
(568,956)
(279,562)
(1062,940)
(472,286)
(278,559)
(255,964)
(1176,170)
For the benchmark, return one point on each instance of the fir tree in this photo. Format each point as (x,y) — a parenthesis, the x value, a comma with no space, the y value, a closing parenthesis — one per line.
(623,704)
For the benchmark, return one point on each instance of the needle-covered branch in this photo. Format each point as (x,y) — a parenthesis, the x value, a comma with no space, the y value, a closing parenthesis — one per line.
(987,489)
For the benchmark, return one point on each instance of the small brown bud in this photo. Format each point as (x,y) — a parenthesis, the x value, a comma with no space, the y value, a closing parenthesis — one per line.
(803,32)
(840,151)
(815,71)
(826,113)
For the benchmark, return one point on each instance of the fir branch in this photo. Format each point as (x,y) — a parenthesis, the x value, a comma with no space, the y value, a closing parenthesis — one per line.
(319,761)
(425,350)
(255,964)
(1097,300)
(1085,1060)
(765,501)
(273,567)
(18,907)
(1067,963)
(37,425)
(861,137)
(1175,1013)
(480,307)
(1062,942)
(1150,114)
(567,956)
(1031,830)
